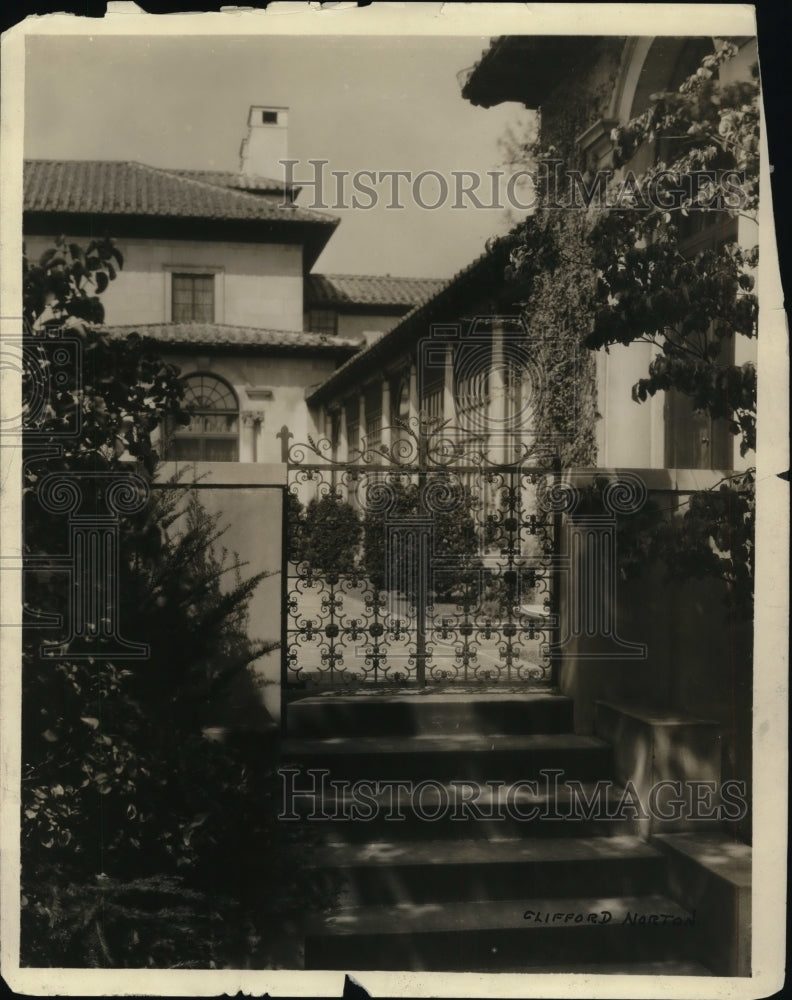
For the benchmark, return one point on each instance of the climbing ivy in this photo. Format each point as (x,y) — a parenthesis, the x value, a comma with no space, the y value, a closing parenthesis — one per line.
(552,260)
(618,273)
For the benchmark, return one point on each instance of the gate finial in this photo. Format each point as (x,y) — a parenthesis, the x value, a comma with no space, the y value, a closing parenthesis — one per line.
(284,434)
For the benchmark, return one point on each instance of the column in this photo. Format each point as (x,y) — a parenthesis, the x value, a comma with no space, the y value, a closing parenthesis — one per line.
(342,454)
(386,413)
(498,399)
(361,418)
(414,404)
(254,419)
(449,397)
(321,422)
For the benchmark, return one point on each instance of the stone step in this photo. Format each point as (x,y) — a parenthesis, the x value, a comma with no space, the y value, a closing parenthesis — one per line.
(358,813)
(435,870)
(489,935)
(416,714)
(453,756)
(711,873)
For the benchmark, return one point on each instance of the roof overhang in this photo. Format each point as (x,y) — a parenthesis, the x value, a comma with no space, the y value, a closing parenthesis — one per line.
(524,68)
(312,235)
(218,338)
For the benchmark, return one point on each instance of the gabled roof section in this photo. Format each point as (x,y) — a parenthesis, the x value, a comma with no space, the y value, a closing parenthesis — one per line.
(340,290)
(117,187)
(252,339)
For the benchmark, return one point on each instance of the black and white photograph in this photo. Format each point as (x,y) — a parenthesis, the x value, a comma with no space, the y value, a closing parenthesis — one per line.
(394,549)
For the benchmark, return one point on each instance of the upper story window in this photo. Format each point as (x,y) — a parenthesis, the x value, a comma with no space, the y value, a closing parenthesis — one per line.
(213,433)
(192,298)
(323,321)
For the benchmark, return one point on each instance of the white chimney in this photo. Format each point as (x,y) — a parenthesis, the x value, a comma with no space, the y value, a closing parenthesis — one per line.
(266,143)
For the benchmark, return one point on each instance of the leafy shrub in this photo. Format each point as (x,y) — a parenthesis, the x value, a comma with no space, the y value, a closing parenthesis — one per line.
(143,842)
(454,533)
(296,533)
(332,535)
(121,785)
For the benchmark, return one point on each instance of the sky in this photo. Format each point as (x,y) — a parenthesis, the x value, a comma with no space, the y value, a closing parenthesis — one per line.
(361,103)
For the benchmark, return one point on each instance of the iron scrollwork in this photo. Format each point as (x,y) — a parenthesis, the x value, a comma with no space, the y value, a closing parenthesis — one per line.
(462,590)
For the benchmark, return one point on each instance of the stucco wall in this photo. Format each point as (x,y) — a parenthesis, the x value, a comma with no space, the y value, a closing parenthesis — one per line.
(257,285)
(630,434)
(286,377)
(251,513)
(369,324)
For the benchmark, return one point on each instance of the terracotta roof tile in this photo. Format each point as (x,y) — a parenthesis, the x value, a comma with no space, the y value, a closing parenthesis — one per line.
(224,335)
(112,187)
(236,181)
(337,290)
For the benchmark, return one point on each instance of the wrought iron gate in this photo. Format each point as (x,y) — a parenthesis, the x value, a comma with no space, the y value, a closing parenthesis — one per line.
(447,579)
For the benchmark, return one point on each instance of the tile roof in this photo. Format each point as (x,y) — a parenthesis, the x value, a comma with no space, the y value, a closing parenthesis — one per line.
(364,289)
(224,335)
(114,187)
(236,181)
(488,265)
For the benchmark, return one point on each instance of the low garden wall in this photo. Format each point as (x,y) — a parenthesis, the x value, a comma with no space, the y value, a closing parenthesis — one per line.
(249,498)
(698,659)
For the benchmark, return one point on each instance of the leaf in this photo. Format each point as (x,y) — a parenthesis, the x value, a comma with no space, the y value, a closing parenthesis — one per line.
(49,736)
(90,721)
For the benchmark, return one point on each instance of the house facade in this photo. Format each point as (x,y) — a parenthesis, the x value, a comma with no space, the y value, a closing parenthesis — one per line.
(217,271)
(610,81)
(350,388)
(606,82)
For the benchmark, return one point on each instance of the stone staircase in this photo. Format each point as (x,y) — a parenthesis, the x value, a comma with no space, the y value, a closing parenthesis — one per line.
(501,875)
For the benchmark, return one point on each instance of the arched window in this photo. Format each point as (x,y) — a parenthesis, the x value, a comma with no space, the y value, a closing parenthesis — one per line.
(213,433)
